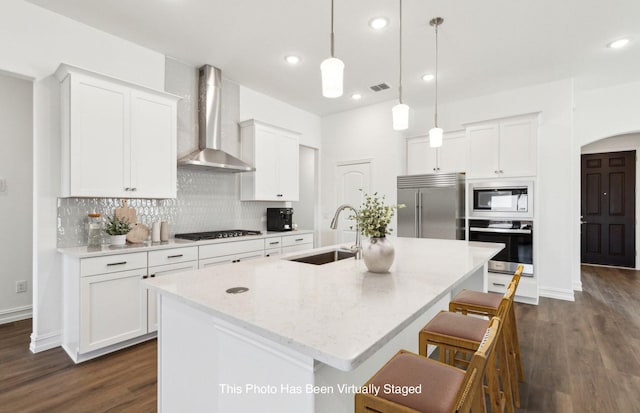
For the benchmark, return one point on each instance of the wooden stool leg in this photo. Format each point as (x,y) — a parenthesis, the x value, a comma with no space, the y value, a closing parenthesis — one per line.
(512,368)
(493,385)
(505,373)
(516,344)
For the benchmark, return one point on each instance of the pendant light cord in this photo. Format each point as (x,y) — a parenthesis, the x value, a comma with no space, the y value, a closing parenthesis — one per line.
(332,37)
(436,103)
(400,53)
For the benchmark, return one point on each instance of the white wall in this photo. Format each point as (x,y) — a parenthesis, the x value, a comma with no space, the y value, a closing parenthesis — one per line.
(37,41)
(630,142)
(255,105)
(599,114)
(367,133)
(358,134)
(16,169)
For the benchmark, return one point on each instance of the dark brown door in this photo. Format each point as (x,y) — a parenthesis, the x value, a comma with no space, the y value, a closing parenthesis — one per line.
(608,208)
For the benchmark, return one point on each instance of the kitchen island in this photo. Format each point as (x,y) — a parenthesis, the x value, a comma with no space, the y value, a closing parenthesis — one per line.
(303,337)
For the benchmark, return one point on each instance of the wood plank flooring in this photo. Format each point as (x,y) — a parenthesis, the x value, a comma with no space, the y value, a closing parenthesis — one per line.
(578,357)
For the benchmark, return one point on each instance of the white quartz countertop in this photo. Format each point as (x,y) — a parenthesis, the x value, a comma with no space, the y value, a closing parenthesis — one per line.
(337,313)
(86,252)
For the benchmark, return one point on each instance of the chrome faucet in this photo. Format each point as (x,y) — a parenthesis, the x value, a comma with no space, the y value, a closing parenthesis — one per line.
(334,225)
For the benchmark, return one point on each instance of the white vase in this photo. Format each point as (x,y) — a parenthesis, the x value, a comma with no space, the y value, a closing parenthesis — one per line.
(118,239)
(378,254)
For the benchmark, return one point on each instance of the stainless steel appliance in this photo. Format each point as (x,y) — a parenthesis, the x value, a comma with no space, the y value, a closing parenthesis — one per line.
(279,219)
(231,233)
(434,206)
(501,199)
(517,237)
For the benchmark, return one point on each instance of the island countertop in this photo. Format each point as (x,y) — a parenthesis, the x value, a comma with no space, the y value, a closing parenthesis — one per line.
(337,313)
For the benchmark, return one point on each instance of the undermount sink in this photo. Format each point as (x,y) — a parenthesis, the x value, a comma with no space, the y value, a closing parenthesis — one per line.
(325,257)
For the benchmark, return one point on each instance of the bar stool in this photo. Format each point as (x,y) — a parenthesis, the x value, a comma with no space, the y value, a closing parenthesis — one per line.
(486,304)
(455,333)
(444,389)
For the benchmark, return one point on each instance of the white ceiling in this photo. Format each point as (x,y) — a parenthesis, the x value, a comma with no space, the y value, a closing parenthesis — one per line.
(485,46)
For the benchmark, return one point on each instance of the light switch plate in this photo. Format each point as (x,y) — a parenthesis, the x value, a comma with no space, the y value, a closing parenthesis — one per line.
(3,185)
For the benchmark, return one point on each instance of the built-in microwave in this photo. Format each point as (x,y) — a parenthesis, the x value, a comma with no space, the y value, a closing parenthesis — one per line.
(501,199)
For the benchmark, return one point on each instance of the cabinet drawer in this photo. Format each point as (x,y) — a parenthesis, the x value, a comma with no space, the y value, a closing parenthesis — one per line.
(229,259)
(498,283)
(112,263)
(290,240)
(275,242)
(229,248)
(296,248)
(172,256)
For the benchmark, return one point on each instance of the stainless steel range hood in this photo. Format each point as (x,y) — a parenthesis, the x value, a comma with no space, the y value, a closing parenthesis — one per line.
(210,154)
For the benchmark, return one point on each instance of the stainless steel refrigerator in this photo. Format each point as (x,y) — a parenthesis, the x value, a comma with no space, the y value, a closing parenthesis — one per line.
(434,206)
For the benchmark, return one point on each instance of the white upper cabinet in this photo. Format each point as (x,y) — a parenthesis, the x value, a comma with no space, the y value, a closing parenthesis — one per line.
(503,147)
(118,139)
(450,157)
(274,152)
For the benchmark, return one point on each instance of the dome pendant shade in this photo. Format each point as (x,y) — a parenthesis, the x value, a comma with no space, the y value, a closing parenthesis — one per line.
(332,70)
(400,113)
(435,137)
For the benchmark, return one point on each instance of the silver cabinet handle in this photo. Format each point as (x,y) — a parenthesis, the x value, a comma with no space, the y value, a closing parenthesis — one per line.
(144,277)
(134,189)
(299,239)
(175,256)
(127,189)
(279,195)
(496,172)
(274,243)
(498,284)
(116,263)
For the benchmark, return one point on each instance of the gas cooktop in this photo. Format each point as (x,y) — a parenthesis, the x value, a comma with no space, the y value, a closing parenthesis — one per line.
(232,233)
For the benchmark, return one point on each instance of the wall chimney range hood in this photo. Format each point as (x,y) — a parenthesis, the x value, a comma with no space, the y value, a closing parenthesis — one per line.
(210,154)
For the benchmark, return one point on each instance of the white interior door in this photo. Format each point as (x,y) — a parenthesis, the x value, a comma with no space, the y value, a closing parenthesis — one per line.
(350,178)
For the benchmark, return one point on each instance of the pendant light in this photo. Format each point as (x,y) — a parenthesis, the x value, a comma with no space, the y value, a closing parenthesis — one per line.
(435,133)
(332,71)
(400,112)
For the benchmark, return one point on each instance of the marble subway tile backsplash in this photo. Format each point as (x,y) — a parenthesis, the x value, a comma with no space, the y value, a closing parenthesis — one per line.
(206,201)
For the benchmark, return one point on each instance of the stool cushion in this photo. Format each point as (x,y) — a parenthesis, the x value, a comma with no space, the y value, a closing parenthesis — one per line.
(440,383)
(478,298)
(457,325)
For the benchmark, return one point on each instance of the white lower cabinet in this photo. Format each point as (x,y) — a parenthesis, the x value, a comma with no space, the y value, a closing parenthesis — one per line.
(230,252)
(165,262)
(297,242)
(113,308)
(527,291)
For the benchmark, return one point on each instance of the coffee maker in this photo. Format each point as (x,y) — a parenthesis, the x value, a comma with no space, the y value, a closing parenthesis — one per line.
(279,219)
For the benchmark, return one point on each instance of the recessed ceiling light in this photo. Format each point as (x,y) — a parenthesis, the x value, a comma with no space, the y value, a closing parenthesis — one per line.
(378,23)
(618,44)
(356,96)
(292,60)
(428,77)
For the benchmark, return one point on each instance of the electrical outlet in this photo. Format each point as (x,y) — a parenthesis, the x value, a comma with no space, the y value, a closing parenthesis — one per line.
(21,286)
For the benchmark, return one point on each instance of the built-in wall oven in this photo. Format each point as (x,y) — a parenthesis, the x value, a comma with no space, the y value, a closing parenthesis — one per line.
(517,235)
(501,199)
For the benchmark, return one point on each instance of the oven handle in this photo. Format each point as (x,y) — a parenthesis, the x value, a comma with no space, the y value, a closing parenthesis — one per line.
(500,230)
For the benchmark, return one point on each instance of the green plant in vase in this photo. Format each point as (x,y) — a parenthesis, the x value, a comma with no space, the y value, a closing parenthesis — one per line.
(374,218)
(117,228)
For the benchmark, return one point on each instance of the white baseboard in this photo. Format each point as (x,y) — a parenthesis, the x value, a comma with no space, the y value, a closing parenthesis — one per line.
(16,314)
(557,293)
(577,285)
(44,342)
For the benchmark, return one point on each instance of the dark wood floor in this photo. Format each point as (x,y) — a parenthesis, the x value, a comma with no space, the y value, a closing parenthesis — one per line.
(578,357)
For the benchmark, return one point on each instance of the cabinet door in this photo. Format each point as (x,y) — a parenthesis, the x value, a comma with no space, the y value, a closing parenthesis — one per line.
(152,297)
(266,164)
(421,158)
(113,308)
(98,138)
(288,171)
(483,151)
(153,146)
(518,147)
(453,154)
